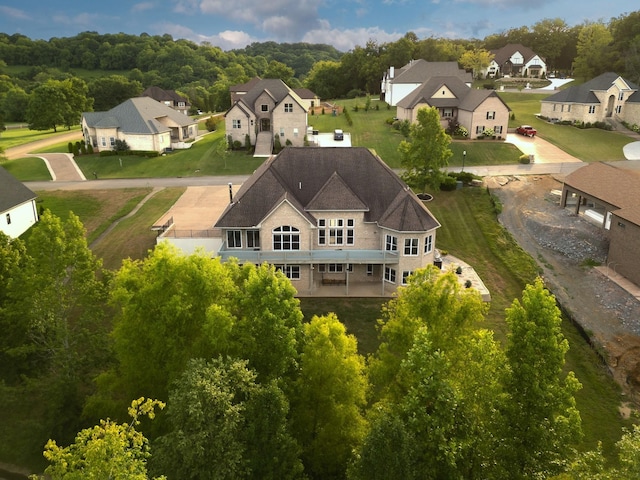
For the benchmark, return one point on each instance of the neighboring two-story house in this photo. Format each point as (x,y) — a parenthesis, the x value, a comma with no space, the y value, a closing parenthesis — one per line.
(142,122)
(269,108)
(18,211)
(170,98)
(608,96)
(397,83)
(478,111)
(517,61)
(329,216)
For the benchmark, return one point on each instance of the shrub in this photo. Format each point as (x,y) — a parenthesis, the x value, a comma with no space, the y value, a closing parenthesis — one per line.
(524,159)
(70,147)
(247,142)
(277,146)
(464,177)
(448,183)
(237,145)
(211,123)
(121,146)
(90,149)
(468,284)
(288,143)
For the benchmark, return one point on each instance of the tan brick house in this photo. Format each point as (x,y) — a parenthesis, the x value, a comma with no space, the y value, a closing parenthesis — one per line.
(268,107)
(329,216)
(609,195)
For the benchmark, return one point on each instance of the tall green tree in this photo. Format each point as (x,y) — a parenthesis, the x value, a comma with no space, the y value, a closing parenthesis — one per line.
(279,70)
(543,423)
(108,450)
(329,398)
(426,152)
(593,54)
(324,79)
(47,106)
(112,90)
(476,60)
(220,428)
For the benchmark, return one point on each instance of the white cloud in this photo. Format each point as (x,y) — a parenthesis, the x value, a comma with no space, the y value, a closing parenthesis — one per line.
(226,40)
(82,21)
(14,13)
(141,7)
(345,40)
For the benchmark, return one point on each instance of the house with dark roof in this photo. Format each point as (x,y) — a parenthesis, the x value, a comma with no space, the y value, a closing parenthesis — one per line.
(18,211)
(608,194)
(478,111)
(397,83)
(516,60)
(142,122)
(608,96)
(170,98)
(314,214)
(267,109)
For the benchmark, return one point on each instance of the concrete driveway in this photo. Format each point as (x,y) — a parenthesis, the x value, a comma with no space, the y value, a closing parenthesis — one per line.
(542,151)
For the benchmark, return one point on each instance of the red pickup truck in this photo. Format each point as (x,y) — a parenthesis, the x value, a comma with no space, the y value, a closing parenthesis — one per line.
(526,130)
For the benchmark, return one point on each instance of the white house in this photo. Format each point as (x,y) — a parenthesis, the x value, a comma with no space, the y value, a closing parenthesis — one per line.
(18,211)
(516,60)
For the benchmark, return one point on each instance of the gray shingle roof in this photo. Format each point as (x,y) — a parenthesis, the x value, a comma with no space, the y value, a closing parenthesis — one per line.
(584,93)
(161,95)
(425,92)
(418,71)
(328,178)
(138,115)
(12,191)
(501,55)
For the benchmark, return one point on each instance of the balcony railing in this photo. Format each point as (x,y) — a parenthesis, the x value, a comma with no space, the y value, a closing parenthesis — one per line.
(310,256)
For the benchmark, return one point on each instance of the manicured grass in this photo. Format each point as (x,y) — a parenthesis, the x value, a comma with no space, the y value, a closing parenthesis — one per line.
(28,169)
(133,237)
(589,145)
(20,136)
(205,157)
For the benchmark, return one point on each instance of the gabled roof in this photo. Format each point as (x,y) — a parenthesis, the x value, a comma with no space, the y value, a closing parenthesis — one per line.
(305,93)
(475,97)
(137,115)
(584,93)
(502,55)
(274,87)
(329,179)
(161,95)
(425,93)
(613,185)
(418,71)
(12,192)
(244,87)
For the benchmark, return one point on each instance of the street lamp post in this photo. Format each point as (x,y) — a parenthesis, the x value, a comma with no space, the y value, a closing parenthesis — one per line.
(464,156)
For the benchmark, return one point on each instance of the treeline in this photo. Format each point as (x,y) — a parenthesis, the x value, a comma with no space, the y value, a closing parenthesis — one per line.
(203,73)
(255,391)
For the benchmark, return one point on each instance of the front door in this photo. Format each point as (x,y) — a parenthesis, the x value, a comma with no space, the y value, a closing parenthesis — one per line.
(265,124)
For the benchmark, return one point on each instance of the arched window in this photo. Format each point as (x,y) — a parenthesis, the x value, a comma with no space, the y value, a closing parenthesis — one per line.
(286,238)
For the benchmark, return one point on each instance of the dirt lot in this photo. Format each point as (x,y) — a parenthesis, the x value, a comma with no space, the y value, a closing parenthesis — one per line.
(561,242)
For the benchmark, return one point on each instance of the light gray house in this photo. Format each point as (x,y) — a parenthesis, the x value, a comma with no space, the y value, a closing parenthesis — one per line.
(313,214)
(18,211)
(608,96)
(142,122)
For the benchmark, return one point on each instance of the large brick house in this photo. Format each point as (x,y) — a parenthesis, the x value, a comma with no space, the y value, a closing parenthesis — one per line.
(268,107)
(478,111)
(329,216)
(608,96)
(609,195)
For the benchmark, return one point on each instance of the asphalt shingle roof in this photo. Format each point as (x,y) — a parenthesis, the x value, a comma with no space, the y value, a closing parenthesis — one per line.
(584,93)
(138,115)
(12,192)
(420,70)
(328,178)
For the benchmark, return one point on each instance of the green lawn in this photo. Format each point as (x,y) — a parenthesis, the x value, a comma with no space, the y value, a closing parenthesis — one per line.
(27,169)
(20,136)
(589,145)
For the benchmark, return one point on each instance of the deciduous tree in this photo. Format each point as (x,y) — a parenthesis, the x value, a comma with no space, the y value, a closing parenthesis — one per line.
(426,152)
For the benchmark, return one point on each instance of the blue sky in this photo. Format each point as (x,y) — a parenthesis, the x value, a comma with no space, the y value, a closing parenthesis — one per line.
(341,23)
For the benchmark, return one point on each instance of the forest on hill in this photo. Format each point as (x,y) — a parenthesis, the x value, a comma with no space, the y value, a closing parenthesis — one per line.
(117,66)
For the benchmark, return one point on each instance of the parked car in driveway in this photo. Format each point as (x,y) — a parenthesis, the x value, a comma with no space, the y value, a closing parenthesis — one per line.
(338,135)
(526,130)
